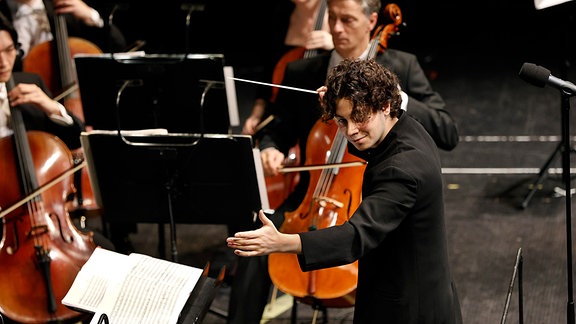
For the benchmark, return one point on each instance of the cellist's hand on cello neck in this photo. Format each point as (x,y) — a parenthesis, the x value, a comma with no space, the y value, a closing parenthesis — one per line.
(80,10)
(263,241)
(319,39)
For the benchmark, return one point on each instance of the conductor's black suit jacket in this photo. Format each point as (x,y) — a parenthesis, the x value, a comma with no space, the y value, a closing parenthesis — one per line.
(397,234)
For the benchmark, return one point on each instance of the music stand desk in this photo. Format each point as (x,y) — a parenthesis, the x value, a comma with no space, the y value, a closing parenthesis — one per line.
(176,178)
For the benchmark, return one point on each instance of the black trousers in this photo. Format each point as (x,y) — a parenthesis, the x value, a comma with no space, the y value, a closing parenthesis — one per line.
(251,282)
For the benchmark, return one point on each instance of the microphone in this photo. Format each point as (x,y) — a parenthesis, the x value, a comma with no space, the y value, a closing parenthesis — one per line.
(540,76)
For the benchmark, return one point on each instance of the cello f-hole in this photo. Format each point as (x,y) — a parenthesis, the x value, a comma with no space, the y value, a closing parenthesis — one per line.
(69,239)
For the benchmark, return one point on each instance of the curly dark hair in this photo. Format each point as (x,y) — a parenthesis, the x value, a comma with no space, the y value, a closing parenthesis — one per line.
(368,85)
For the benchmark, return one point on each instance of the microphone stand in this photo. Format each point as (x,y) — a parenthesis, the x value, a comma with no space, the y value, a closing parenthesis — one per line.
(565,106)
(566,175)
(539,76)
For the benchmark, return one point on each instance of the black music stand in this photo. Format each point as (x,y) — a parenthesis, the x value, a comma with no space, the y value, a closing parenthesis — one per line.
(181,93)
(176,178)
(201,297)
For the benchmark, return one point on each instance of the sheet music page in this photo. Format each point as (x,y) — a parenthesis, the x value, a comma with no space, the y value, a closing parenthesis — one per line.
(154,291)
(92,283)
(138,132)
(260,178)
(132,289)
(231,96)
(541,4)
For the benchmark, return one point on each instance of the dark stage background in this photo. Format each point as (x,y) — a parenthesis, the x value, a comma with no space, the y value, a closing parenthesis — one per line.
(242,30)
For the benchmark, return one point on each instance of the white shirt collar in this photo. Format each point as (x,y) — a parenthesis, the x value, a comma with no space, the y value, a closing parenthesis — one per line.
(4,129)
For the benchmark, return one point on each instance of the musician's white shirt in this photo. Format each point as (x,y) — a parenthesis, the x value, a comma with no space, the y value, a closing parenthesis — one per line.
(31,23)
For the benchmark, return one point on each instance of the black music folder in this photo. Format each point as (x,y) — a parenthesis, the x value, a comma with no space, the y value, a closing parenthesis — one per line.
(187,178)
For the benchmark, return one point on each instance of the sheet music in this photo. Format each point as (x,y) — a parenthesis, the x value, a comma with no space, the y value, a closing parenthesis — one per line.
(261,180)
(138,132)
(541,4)
(132,289)
(231,96)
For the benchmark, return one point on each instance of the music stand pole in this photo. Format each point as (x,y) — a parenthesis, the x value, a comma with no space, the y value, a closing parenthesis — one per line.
(173,249)
(565,106)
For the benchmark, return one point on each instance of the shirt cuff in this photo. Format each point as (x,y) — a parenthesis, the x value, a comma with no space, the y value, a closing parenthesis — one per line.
(96,19)
(63,118)
(404,104)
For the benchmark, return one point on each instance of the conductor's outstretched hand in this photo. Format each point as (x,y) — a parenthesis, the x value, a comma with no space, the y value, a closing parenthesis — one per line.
(263,241)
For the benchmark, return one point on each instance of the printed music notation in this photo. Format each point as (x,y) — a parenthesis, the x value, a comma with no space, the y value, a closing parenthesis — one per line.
(133,288)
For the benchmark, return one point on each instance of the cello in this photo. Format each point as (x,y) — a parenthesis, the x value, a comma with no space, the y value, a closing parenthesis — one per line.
(53,61)
(41,250)
(333,195)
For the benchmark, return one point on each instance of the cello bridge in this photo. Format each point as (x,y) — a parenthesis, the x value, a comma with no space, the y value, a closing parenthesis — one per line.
(38,230)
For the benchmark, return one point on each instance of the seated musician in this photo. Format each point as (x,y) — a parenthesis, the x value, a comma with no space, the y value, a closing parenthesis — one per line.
(31,21)
(306,27)
(84,20)
(39,111)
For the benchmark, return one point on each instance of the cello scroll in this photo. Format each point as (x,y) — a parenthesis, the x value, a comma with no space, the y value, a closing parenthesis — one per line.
(383,32)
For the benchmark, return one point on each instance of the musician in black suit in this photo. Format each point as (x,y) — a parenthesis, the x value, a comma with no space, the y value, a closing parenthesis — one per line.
(89,23)
(351,22)
(39,111)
